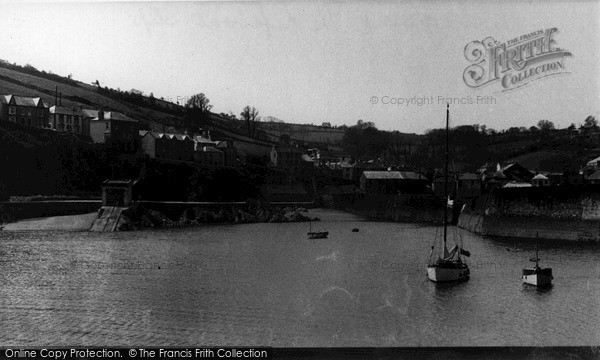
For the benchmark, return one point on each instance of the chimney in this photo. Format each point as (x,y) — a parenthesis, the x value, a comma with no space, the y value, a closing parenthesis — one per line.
(100,115)
(56,95)
(208,135)
(60,98)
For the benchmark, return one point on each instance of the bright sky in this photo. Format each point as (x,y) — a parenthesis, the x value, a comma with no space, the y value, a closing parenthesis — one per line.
(314,62)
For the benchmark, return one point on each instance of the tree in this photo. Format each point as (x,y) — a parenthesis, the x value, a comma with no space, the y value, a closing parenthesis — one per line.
(545,125)
(250,116)
(590,121)
(198,102)
(197,109)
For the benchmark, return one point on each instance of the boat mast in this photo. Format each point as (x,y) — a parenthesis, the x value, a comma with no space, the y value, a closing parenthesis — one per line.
(446,177)
(537,245)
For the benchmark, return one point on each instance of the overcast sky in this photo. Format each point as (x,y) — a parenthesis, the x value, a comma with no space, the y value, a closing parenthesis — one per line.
(314,62)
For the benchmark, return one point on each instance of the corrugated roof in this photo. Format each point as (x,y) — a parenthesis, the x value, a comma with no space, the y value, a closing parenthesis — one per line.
(400,175)
(382,174)
(514,184)
(468,176)
(410,175)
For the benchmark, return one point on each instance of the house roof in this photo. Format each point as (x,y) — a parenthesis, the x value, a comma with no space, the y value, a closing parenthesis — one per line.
(202,139)
(90,113)
(594,176)
(540,177)
(211,149)
(113,115)
(307,158)
(64,111)
(23,100)
(591,162)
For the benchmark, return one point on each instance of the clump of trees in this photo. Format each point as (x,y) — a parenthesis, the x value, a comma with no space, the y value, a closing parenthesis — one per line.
(197,112)
(250,116)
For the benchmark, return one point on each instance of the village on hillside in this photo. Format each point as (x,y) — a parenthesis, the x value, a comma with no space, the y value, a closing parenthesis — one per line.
(303,174)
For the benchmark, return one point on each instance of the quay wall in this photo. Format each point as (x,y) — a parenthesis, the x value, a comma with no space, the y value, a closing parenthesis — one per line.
(12,211)
(400,208)
(559,213)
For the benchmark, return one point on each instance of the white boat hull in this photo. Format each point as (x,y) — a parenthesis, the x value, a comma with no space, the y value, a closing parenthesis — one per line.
(442,274)
(537,280)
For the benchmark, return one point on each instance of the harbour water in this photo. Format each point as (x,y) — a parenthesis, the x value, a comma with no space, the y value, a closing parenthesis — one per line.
(267,284)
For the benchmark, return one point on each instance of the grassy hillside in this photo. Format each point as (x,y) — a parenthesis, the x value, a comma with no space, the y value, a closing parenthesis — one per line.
(78,94)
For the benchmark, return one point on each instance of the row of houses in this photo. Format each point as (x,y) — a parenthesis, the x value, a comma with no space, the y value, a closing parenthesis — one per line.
(112,128)
(123,132)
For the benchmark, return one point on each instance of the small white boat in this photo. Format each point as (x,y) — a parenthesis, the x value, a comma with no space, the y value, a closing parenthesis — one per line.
(536,275)
(317,234)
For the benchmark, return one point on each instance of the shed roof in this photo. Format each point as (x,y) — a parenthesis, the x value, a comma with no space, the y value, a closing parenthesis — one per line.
(400,175)
(468,176)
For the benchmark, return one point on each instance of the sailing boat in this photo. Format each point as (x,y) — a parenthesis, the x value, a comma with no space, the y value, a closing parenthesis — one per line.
(448,267)
(317,235)
(537,276)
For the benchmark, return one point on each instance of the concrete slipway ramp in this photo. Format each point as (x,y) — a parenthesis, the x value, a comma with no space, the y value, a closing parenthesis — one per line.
(108,220)
(81,222)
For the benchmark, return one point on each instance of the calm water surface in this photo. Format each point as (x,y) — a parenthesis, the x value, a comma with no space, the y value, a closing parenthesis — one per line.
(267,284)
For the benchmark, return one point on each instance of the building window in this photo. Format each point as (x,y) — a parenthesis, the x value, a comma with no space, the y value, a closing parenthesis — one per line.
(12,110)
(29,112)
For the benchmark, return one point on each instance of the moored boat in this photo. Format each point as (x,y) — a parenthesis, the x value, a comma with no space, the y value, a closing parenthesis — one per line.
(536,275)
(317,234)
(449,267)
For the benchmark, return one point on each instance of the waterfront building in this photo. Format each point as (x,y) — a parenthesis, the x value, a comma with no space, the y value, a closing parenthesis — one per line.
(540,180)
(24,110)
(359,167)
(517,172)
(469,186)
(392,182)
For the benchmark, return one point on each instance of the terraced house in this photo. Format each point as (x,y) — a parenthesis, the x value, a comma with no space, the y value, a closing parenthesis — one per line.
(114,129)
(64,119)
(24,110)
